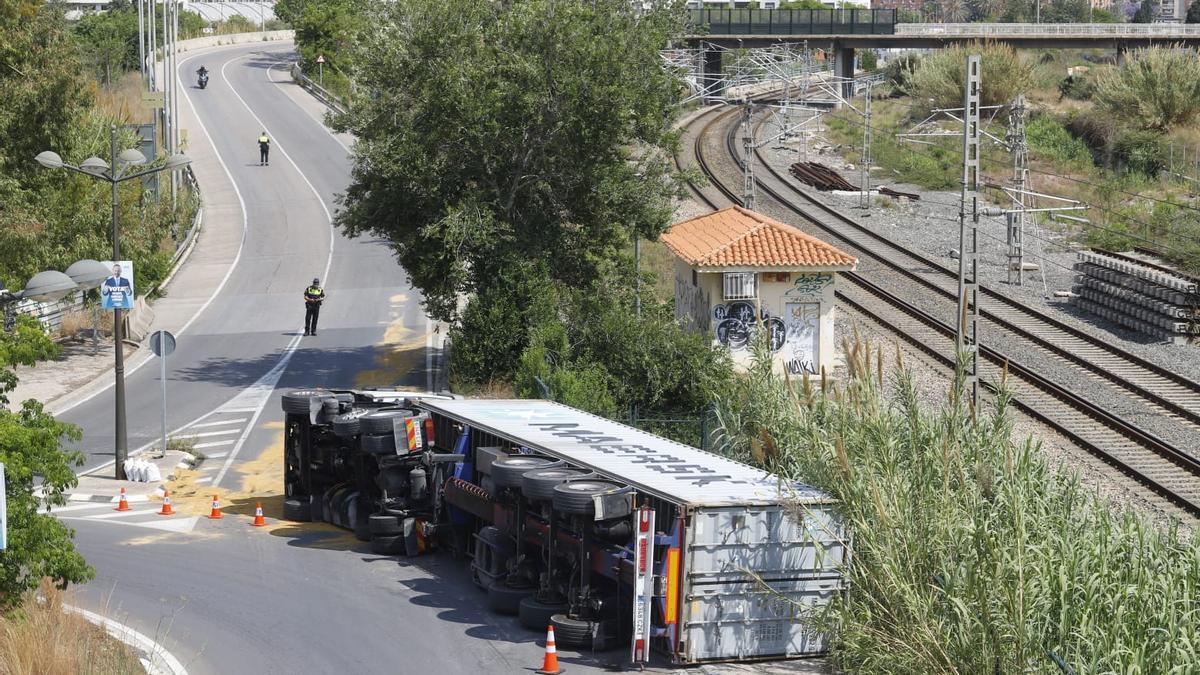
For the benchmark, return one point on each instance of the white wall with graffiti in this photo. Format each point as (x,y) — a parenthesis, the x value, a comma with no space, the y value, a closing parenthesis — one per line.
(796,310)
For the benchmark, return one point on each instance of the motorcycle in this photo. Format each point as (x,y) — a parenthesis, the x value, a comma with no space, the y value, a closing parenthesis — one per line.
(203,80)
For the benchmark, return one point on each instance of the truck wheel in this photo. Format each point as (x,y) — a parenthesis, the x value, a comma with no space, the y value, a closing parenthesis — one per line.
(535,615)
(572,632)
(384,526)
(378,444)
(507,471)
(387,545)
(575,497)
(297,402)
(540,483)
(297,510)
(380,421)
(347,425)
(504,599)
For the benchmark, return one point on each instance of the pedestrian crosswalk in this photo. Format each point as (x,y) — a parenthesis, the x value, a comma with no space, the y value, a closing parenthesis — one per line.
(143,513)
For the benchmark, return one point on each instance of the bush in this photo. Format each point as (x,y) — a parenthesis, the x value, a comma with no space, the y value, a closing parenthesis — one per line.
(1140,151)
(971,555)
(937,81)
(899,70)
(1077,87)
(1156,88)
(1050,140)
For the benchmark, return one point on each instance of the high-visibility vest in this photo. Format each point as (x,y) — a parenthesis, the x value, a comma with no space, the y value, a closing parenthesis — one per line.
(263,139)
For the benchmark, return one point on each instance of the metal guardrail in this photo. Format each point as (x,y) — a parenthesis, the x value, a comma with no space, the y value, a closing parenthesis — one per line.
(324,95)
(793,21)
(1036,30)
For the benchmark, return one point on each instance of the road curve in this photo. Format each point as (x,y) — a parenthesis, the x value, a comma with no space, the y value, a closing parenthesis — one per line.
(228,598)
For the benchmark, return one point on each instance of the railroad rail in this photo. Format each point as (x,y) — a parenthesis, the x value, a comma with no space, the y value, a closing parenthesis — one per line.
(1172,473)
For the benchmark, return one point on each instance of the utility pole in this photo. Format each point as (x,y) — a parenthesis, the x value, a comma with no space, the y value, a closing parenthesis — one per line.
(968,235)
(142,38)
(747,155)
(864,182)
(1016,217)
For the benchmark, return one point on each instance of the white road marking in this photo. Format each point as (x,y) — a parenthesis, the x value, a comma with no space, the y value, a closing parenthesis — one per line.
(207,434)
(179,525)
(218,455)
(55,510)
(213,444)
(221,423)
(206,479)
(79,497)
(116,514)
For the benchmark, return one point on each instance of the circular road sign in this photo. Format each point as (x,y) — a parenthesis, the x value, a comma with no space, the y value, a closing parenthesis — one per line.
(162,342)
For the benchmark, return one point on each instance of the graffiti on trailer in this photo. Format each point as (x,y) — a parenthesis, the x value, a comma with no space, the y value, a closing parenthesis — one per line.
(738,322)
(807,285)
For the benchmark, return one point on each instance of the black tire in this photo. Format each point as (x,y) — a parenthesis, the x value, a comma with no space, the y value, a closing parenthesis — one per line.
(380,421)
(316,506)
(507,471)
(540,483)
(536,615)
(384,526)
(575,497)
(392,545)
(571,632)
(504,599)
(378,444)
(347,425)
(297,401)
(297,510)
(332,504)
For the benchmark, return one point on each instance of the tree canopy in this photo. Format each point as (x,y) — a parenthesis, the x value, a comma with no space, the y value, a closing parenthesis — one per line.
(496,135)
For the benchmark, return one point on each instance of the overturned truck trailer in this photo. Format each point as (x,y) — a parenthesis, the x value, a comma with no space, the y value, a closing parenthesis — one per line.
(614,536)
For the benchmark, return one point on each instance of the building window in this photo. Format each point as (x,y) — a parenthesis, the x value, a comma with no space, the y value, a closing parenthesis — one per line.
(739,286)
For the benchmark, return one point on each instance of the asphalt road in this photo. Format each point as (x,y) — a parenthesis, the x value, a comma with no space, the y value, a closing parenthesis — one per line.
(228,598)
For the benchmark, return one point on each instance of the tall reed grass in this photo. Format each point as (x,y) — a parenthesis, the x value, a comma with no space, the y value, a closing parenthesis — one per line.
(41,638)
(971,553)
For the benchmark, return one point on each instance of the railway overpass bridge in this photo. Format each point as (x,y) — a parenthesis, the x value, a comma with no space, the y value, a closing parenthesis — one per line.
(844,31)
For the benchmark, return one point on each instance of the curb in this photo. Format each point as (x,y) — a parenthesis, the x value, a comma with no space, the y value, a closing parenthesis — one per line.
(155,658)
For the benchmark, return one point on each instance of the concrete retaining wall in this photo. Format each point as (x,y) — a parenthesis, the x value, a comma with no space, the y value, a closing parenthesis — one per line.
(235,39)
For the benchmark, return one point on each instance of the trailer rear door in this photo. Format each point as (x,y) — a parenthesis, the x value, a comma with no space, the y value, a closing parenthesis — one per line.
(752,578)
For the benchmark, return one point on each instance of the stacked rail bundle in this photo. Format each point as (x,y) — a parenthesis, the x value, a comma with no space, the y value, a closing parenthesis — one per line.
(820,176)
(1148,298)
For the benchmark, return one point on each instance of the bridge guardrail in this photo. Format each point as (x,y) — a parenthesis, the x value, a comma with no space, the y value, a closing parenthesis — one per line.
(324,95)
(1035,30)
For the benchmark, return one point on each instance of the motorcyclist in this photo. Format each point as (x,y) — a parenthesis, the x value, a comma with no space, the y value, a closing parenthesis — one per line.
(202,77)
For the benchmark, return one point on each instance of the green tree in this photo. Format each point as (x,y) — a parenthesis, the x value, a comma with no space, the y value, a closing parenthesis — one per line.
(803,4)
(39,545)
(495,134)
(1145,12)
(1193,13)
(938,77)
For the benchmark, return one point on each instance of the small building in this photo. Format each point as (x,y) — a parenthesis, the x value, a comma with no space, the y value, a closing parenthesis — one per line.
(738,272)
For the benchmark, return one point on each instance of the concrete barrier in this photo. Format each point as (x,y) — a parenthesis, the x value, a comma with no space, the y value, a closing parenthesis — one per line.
(235,39)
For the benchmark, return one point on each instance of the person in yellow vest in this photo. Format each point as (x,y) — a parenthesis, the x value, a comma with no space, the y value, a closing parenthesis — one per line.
(314,295)
(264,150)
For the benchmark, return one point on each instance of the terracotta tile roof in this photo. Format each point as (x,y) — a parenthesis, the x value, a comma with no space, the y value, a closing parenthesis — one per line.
(738,237)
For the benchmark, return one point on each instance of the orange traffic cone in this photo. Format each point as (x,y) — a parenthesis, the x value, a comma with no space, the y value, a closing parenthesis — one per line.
(166,509)
(123,505)
(259,521)
(550,663)
(216,509)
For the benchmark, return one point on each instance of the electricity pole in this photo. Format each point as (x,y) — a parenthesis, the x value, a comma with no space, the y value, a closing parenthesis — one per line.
(748,156)
(1016,217)
(864,183)
(968,235)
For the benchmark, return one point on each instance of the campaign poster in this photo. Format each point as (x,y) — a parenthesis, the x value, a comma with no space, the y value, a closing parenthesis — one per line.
(117,290)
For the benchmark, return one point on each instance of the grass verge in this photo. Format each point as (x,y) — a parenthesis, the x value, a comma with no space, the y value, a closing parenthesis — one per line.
(40,638)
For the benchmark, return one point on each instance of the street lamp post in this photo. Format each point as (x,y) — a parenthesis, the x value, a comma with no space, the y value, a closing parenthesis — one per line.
(115,172)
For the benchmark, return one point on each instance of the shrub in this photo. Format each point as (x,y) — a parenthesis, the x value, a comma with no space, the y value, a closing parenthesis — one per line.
(1140,151)
(1156,88)
(899,70)
(1078,87)
(971,555)
(937,81)
(1049,139)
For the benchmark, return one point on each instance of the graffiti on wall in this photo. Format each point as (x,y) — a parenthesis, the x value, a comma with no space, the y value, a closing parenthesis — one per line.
(691,305)
(738,323)
(802,337)
(809,285)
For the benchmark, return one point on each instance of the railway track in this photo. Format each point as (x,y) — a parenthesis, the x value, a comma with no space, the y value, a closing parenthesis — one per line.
(1171,472)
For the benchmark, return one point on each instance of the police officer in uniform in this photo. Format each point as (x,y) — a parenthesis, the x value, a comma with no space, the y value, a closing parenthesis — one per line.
(314,295)
(264,149)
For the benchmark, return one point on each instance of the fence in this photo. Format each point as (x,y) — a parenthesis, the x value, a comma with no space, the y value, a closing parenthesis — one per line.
(793,21)
(321,93)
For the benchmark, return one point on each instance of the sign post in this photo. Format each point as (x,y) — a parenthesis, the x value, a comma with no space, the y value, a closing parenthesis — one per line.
(162,343)
(321,68)
(643,584)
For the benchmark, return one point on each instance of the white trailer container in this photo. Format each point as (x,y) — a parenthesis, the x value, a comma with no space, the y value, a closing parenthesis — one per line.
(742,558)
